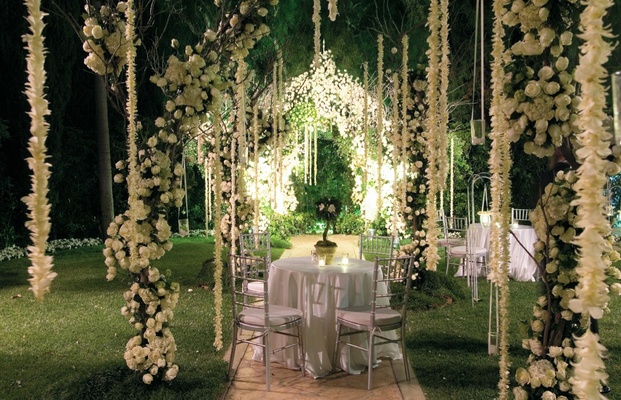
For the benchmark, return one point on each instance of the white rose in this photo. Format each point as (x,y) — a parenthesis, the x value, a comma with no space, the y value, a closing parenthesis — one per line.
(562,63)
(97,32)
(552,88)
(546,36)
(520,394)
(548,395)
(533,89)
(522,376)
(566,38)
(147,378)
(545,73)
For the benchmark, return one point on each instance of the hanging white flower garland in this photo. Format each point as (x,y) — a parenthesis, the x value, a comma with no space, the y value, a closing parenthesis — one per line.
(396,146)
(500,165)
(219,247)
(38,207)
(592,290)
(405,141)
(333,9)
(380,118)
(443,118)
(317,37)
(432,132)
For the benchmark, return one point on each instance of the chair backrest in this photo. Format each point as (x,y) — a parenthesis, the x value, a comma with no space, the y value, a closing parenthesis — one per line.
(456,226)
(520,215)
(245,270)
(255,244)
(376,246)
(441,223)
(392,280)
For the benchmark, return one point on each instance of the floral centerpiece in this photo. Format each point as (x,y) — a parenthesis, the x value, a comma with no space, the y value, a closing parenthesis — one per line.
(328,210)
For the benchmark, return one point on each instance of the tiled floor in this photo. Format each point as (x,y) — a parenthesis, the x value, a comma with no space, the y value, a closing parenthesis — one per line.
(388,378)
(249,383)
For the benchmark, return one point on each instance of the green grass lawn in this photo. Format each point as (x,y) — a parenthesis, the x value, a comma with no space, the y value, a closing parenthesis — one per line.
(71,346)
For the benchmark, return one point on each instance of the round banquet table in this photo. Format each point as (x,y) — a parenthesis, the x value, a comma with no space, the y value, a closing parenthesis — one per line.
(522,266)
(300,283)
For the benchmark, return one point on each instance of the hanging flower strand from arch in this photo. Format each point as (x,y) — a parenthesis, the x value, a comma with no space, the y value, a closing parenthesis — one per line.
(500,165)
(38,207)
(443,117)
(332,9)
(432,132)
(380,117)
(592,290)
(317,37)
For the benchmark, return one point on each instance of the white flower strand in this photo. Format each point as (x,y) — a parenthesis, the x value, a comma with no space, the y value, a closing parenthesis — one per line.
(132,147)
(432,133)
(395,152)
(332,8)
(255,133)
(380,116)
(589,372)
(218,248)
(592,290)
(38,207)
(317,37)
(443,97)
(500,165)
(405,106)
(594,141)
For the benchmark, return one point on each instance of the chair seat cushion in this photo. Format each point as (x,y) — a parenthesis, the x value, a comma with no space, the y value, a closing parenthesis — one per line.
(279,315)
(450,242)
(361,315)
(462,251)
(255,289)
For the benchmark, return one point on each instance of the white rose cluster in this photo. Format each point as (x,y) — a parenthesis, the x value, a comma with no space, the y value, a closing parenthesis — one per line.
(541,101)
(104,39)
(152,351)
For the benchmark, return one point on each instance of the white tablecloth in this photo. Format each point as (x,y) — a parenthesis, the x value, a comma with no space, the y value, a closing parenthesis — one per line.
(522,266)
(318,292)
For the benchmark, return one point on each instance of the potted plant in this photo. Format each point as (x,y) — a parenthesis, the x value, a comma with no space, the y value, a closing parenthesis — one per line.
(328,210)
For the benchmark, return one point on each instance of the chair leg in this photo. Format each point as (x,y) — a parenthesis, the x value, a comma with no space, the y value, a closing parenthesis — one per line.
(301,350)
(267,359)
(371,355)
(233,346)
(335,356)
(404,355)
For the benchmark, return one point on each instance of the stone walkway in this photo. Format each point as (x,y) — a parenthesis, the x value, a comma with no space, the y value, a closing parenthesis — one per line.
(388,378)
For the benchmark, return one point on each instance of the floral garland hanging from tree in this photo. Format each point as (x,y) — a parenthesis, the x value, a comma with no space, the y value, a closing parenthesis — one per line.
(434,181)
(38,207)
(500,164)
(592,291)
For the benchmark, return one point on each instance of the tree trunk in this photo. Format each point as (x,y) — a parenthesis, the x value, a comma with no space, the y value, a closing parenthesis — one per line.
(104,162)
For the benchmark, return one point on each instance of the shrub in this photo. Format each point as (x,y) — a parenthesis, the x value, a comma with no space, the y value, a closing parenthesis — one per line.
(351,224)
(285,226)
(379,224)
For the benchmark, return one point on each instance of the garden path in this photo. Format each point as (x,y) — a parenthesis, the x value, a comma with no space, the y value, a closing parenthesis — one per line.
(388,378)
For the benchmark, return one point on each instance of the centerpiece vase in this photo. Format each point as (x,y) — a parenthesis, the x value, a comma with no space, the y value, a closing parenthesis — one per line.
(326,251)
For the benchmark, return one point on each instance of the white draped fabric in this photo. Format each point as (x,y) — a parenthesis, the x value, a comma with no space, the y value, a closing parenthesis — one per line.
(299,283)
(522,266)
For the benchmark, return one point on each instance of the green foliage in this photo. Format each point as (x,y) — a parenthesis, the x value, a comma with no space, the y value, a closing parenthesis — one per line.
(351,224)
(279,243)
(334,178)
(379,224)
(285,226)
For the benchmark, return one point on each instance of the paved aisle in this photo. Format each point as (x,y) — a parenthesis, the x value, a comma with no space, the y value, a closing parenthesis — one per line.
(388,378)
